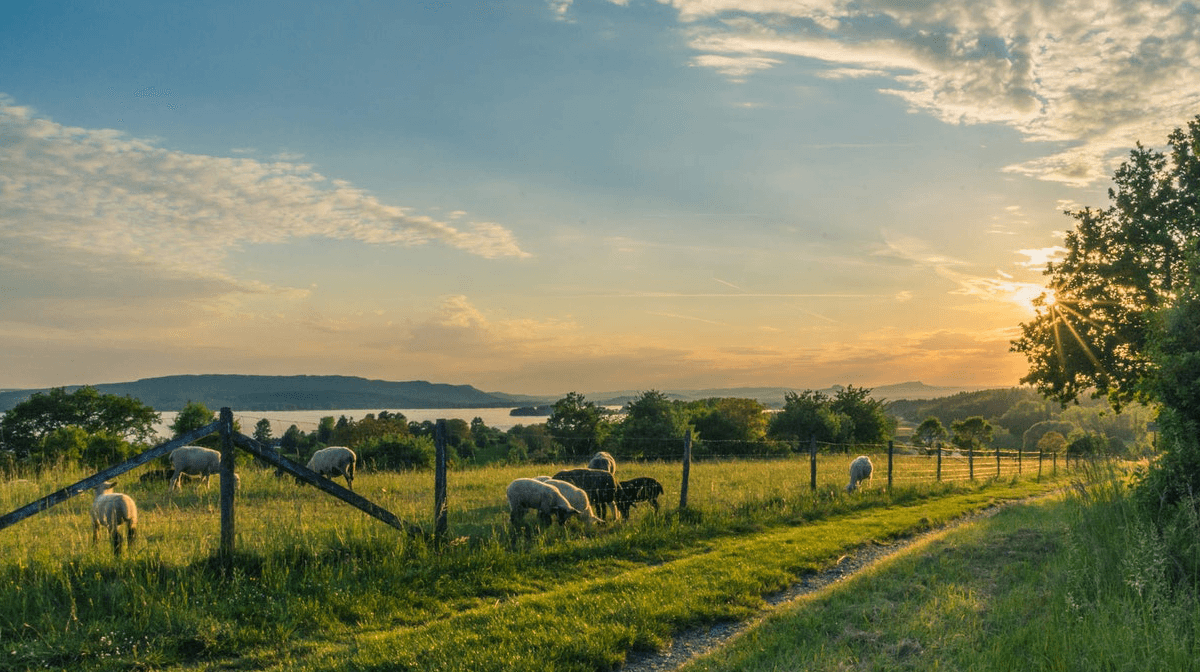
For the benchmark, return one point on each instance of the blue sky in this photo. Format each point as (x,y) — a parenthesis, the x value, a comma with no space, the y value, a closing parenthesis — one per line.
(542,197)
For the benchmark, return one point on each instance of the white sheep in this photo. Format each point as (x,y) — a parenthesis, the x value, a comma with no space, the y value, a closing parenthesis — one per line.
(576,496)
(110,509)
(529,493)
(194,461)
(336,460)
(603,461)
(860,470)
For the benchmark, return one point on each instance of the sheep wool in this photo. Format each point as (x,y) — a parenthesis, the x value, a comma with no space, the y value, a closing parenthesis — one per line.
(577,498)
(601,488)
(193,461)
(112,509)
(335,460)
(860,470)
(641,489)
(603,461)
(529,493)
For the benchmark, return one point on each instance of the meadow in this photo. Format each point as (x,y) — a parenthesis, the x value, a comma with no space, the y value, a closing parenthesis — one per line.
(314,584)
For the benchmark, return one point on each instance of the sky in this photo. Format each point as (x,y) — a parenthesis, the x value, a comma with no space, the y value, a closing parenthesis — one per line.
(539,197)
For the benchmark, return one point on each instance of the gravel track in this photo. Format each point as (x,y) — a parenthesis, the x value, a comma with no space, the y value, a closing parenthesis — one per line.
(696,642)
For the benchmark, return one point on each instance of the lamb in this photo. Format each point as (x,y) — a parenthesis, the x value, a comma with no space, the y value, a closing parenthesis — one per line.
(576,496)
(600,486)
(110,509)
(641,489)
(860,470)
(529,493)
(603,461)
(336,460)
(193,461)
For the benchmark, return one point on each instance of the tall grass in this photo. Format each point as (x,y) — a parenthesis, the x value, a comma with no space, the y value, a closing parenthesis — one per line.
(309,568)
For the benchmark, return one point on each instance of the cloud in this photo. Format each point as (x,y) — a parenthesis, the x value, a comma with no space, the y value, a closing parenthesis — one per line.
(101,195)
(1094,77)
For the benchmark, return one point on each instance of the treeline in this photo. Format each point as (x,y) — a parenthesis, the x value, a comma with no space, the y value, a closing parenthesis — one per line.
(97,430)
(1021,419)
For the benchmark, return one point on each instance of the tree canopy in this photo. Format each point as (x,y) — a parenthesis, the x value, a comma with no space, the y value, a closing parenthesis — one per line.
(1122,265)
(75,425)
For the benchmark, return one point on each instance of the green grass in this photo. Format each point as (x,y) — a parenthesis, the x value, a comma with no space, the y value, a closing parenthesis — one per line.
(1071,583)
(315,583)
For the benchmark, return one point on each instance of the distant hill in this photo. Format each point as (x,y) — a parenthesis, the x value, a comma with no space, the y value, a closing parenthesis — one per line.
(271,393)
(285,393)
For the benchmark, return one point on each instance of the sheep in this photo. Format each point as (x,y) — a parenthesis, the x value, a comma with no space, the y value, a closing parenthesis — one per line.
(529,493)
(336,460)
(860,470)
(641,489)
(155,475)
(193,461)
(601,488)
(603,461)
(110,509)
(576,496)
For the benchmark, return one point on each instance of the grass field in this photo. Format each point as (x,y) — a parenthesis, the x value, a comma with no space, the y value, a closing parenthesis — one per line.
(1073,582)
(314,583)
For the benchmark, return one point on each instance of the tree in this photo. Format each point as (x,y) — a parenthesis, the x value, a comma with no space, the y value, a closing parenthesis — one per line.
(26,425)
(578,425)
(1051,443)
(262,431)
(193,416)
(972,433)
(865,420)
(653,427)
(806,415)
(929,432)
(740,425)
(1122,265)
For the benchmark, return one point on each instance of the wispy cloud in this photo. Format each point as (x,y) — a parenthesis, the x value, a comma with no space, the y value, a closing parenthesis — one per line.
(101,194)
(1092,77)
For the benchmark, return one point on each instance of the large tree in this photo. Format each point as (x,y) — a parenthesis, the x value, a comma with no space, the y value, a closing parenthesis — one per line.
(1122,265)
(26,425)
(653,427)
(578,425)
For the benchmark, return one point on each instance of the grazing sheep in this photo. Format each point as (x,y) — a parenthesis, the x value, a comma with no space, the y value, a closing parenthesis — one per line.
(110,509)
(528,493)
(576,496)
(156,475)
(600,486)
(336,460)
(642,489)
(603,461)
(860,470)
(194,461)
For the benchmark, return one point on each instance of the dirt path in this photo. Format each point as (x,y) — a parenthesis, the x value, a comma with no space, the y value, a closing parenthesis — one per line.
(698,641)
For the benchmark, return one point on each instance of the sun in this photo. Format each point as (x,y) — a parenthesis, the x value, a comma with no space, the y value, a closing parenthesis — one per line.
(1048,298)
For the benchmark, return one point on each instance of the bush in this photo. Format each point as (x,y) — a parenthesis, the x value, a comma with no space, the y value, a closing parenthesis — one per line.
(394,452)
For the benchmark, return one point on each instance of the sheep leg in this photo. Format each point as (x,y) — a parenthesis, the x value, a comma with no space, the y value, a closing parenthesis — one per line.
(116,538)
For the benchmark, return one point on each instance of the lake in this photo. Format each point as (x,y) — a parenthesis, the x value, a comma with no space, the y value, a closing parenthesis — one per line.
(307,421)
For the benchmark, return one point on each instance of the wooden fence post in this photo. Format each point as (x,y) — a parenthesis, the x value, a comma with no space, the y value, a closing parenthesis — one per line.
(1055,456)
(997,461)
(1019,451)
(812,460)
(687,468)
(439,480)
(891,451)
(1039,464)
(939,464)
(971,460)
(228,484)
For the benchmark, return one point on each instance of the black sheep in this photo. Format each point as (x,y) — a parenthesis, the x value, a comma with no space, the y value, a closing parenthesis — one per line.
(643,489)
(601,487)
